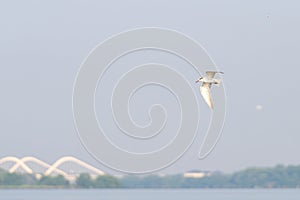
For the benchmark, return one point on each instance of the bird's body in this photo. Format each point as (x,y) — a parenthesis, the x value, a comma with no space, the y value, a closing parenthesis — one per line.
(208,80)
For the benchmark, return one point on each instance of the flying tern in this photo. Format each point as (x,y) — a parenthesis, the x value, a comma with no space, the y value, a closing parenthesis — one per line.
(207,81)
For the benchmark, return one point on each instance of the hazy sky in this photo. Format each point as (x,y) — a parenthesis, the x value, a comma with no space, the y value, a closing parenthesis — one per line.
(256,44)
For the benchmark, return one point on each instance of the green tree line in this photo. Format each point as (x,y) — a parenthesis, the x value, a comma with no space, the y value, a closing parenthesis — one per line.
(276,177)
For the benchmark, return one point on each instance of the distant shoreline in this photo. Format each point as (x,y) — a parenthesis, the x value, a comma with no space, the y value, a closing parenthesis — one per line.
(278,177)
(74,188)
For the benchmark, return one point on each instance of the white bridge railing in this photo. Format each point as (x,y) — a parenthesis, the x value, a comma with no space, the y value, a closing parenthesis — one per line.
(54,168)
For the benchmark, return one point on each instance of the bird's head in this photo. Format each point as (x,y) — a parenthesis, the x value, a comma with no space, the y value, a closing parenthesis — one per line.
(197,81)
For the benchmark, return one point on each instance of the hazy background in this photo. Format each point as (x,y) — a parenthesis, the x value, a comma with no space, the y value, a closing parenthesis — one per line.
(256,44)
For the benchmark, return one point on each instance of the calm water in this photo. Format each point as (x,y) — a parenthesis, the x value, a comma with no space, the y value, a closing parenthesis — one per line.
(293,194)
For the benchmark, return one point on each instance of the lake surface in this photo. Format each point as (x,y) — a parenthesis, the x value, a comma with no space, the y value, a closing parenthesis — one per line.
(159,194)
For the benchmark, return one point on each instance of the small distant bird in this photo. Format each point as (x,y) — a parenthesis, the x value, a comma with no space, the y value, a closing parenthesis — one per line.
(206,85)
(258,107)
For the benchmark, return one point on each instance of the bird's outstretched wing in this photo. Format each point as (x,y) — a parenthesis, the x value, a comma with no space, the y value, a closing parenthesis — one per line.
(205,92)
(211,74)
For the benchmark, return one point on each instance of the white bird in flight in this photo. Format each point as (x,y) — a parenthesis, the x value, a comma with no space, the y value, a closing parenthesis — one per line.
(208,80)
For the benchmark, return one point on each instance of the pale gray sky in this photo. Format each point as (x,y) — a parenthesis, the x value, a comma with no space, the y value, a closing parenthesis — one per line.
(255,43)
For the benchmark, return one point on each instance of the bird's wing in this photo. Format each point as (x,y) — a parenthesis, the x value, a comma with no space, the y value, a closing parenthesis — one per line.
(211,74)
(205,92)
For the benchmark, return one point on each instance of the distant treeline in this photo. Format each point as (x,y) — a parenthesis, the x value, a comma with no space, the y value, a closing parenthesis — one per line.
(276,177)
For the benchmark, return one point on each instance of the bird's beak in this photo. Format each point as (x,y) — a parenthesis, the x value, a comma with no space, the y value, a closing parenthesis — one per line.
(197,81)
